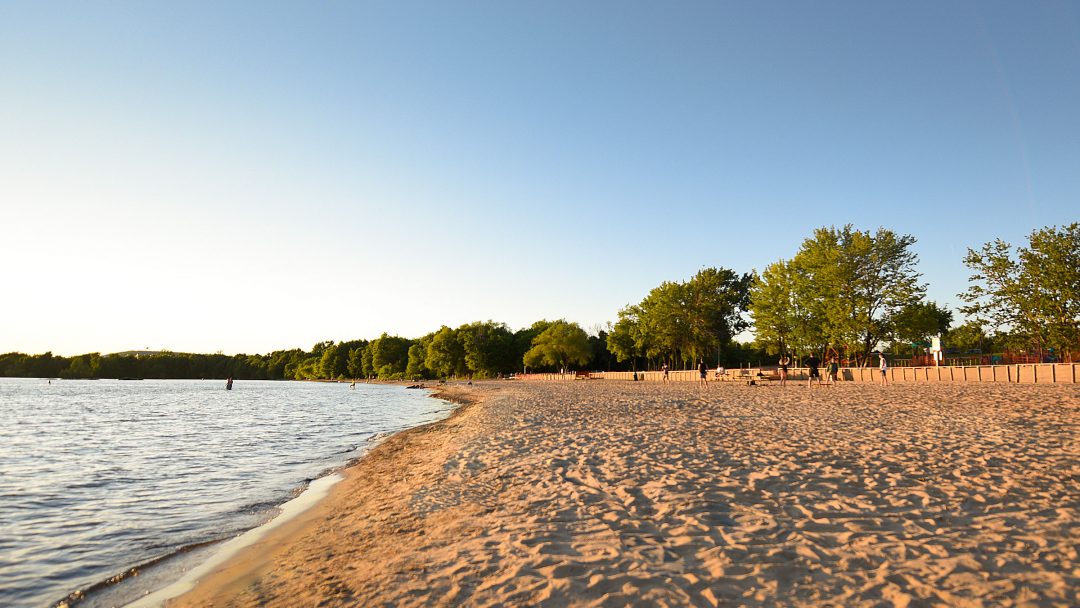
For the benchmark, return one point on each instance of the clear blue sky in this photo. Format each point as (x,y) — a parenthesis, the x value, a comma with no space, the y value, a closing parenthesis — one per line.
(261,175)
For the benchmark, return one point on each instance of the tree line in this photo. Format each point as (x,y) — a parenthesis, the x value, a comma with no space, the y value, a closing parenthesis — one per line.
(846,292)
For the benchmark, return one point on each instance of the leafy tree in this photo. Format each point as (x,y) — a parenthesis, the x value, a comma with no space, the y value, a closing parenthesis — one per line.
(309,369)
(488,347)
(684,321)
(445,354)
(367,365)
(623,341)
(561,345)
(860,281)
(523,339)
(602,358)
(390,355)
(842,289)
(776,308)
(717,299)
(415,368)
(969,338)
(664,328)
(83,366)
(277,367)
(356,362)
(328,363)
(919,321)
(1034,293)
(319,347)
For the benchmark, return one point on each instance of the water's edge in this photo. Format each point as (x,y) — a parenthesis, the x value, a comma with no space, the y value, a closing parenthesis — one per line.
(315,492)
(198,559)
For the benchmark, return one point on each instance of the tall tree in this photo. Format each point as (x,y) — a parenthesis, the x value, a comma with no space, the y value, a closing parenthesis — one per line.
(488,347)
(415,368)
(390,355)
(849,284)
(356,362)
(561,345)
(1034,293)
(328,363)
(970,337)
(920,321)
(775,306)
(623,340)
(717,299)
(445,355)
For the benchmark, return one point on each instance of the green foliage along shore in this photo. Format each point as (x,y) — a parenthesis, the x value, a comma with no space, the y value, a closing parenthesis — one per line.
(846,292)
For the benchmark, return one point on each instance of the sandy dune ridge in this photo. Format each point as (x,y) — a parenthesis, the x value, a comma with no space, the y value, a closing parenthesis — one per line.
(616,493)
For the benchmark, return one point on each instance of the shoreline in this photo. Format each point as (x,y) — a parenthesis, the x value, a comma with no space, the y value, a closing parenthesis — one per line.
(233,566)
(179,569)
(615,493)
(315,491)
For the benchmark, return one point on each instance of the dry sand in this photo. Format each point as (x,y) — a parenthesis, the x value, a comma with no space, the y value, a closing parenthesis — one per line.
(613,493)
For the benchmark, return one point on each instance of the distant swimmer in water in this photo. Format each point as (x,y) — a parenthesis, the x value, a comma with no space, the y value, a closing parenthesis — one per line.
(228,384)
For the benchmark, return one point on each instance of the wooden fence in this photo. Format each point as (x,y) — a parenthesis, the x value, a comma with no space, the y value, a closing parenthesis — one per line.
(1031,373)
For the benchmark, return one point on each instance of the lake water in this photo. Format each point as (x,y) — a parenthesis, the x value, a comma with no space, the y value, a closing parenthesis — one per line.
(97,477)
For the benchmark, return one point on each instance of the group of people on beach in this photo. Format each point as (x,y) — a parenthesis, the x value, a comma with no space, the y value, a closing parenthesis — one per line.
(833,369)
(813,365)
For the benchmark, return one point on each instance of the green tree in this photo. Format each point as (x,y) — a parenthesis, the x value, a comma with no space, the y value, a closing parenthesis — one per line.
(602,358)
(445,354)
(682,321)
(842,289)
(561,345)
(717,299)
(919,321)
(390,356)
(523,339)
(415,368)
(328,363)
(417,365)
(969,338)
(367,366)
(488,347)
(355,365)
(623,340)
(777,309)
(1034,293)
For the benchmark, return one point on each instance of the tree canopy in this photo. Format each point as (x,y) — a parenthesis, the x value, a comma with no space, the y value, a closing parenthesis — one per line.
(561,345)
(842,290)
(683,321)
(1034,292)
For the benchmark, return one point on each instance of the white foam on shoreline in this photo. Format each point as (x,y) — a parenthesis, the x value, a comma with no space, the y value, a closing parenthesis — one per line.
(289,510)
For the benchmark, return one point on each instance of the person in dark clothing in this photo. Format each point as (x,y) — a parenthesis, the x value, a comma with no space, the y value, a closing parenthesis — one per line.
(812,363)
(703,371)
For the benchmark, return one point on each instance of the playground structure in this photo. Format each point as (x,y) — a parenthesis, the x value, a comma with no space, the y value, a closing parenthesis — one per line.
(1006,357)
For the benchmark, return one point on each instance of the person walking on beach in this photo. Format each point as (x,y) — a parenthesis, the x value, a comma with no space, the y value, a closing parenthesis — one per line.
(665,370)
(228,384)
(812,363)
(784,361)
(834,369)
(703,371)
(884,367)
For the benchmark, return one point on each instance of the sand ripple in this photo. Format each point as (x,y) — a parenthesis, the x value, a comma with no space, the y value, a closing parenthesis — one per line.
(614,493)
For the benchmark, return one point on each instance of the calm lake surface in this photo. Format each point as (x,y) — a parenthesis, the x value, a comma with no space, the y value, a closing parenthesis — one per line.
(99,476)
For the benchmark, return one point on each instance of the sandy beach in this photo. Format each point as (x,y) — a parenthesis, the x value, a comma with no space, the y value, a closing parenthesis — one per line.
(606,493)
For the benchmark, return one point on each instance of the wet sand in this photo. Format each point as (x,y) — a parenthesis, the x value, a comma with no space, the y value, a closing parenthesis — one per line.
(607,493)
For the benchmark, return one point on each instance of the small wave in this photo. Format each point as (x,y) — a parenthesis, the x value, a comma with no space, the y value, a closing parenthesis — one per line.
(76,597)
